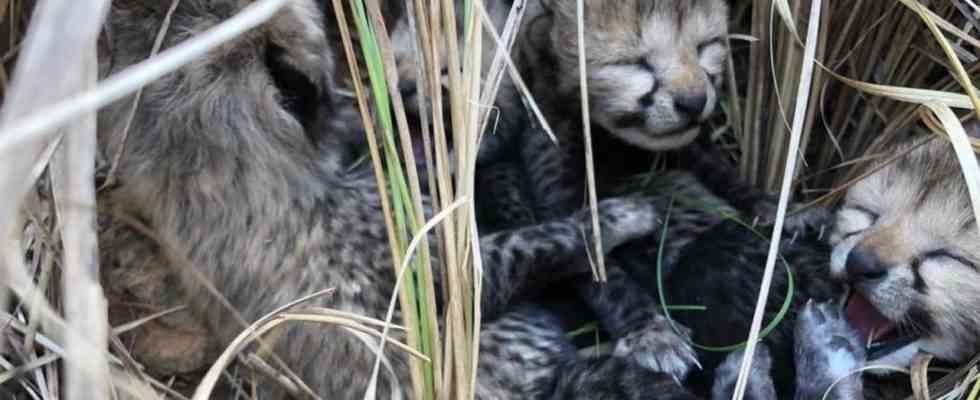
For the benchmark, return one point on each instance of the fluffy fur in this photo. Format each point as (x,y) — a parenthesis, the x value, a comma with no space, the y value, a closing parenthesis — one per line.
(907,241)
(235,170)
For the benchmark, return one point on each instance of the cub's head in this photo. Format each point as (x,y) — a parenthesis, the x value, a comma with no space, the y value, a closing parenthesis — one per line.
(653,65)
(906,240)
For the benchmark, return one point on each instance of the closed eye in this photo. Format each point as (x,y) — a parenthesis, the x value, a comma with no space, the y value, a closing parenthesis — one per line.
(640,62)
(943,253)
(865,212)
(708,43)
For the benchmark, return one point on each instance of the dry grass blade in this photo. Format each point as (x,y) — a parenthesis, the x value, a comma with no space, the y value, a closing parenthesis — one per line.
(121,329)
(920,376)
(60,41)
(270,322)
(409,254)
(72,174)
(514,22)
(799,117)
(830,389)
(599,268)
(964,152)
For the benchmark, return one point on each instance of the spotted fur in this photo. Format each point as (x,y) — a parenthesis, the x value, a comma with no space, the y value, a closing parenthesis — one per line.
(253,193)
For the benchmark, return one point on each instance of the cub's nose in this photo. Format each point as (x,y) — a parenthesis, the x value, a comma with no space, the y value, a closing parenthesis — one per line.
(864,265)
(691,105)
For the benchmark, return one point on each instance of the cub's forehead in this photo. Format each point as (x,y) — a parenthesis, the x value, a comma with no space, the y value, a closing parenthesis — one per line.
(924,189)
(690,21)
(636,15)
(640,26)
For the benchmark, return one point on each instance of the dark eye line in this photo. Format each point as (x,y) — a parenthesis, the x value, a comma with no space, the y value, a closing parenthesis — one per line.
(639,61)
(943,253)
(874,216)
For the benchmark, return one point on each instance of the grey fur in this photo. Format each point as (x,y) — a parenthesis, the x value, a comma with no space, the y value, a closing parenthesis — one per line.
(256,198)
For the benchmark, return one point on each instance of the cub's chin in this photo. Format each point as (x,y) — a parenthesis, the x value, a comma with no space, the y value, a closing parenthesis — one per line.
(659,142)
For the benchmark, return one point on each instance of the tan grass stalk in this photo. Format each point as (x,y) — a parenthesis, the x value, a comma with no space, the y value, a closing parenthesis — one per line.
(273,320)
(799,117)
(86,311)
(599,267)
(409,253)
(511,30)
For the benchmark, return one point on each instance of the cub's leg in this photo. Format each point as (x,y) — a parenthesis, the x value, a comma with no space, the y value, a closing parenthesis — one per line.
(555,174)
(517,260)
(521,354)
(643,335)
(615,378)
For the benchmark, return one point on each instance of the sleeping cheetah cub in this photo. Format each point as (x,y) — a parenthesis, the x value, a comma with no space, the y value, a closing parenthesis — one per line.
(653,68)
(906,240)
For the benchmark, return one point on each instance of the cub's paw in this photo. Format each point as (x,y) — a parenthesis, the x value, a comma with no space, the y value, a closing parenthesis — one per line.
(830,350)
(622,219)
(760,385)
(812,218)
(659,348)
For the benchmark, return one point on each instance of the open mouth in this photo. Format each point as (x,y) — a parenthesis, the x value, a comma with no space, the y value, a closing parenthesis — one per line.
(881,335)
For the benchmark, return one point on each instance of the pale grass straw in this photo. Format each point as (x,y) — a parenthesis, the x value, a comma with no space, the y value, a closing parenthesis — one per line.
(129,326)
(463,88)
(409,254)
(467,148)
(504,48)
(599,268)
(85,308)
(830,388)
(47,265)
(799,117)
(919,370)
(271,321)
(515,75)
